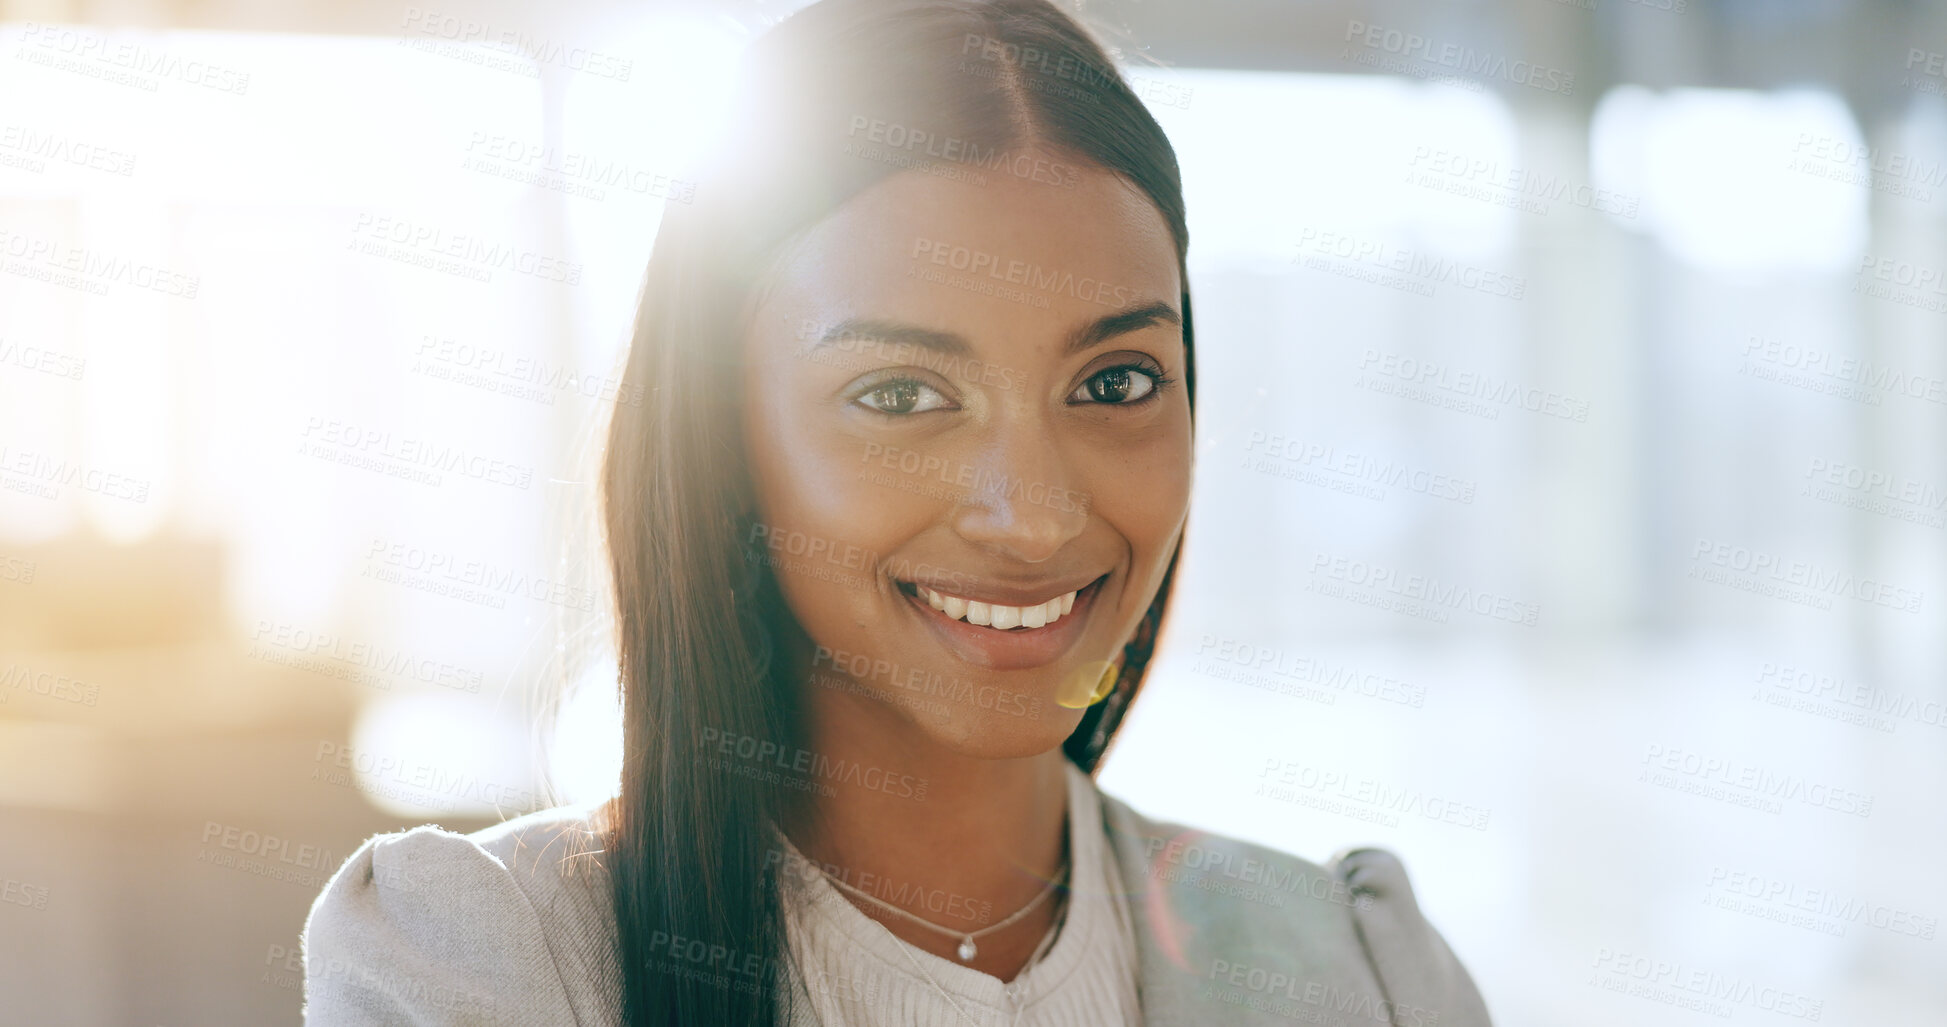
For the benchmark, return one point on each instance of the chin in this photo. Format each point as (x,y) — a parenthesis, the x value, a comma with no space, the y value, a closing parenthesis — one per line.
(985,734)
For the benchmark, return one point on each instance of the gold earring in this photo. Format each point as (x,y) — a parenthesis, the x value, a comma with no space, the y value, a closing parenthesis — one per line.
(1089,685)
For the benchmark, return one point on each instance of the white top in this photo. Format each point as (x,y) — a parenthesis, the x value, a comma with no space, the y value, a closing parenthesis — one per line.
(516,924)
(848,969)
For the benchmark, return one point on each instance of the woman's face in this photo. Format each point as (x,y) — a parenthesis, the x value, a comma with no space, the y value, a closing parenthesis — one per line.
(970,443)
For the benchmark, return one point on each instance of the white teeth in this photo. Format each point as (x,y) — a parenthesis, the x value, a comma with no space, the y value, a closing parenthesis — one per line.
(1000,617)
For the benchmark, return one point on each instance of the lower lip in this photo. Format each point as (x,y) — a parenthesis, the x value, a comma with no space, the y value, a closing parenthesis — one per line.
(1014,648)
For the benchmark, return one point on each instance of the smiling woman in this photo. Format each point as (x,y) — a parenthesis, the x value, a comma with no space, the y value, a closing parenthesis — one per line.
(892,536)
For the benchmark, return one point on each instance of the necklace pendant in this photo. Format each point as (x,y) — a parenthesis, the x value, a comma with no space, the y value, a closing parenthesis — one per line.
(967,950)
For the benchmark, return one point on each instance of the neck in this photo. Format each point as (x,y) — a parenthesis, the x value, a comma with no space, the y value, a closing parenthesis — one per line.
(982,842)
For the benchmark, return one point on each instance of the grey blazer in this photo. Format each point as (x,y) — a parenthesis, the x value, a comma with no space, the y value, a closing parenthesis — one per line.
(431,927)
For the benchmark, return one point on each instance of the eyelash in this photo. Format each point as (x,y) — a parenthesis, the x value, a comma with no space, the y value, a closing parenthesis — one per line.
(886,383)
(1157,379)
(1158,383)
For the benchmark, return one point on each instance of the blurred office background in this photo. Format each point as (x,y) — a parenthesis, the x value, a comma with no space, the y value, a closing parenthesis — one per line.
(1571,505)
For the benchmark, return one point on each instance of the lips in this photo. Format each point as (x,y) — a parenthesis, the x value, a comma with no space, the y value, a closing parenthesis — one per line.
(1010,640)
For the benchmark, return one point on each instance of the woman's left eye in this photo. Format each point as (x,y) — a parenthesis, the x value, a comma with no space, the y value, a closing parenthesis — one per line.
(1116,385)
(902,396)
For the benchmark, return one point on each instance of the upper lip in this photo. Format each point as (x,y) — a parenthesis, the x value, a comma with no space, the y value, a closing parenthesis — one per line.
(997,593)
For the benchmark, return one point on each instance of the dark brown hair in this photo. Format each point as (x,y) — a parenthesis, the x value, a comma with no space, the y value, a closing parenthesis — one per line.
(964,86)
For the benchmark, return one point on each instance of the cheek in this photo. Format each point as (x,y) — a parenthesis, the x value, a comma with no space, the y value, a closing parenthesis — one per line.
(1142,489)
(830,523)
(1143,493)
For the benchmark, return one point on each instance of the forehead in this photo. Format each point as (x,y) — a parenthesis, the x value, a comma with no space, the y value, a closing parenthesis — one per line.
(1003,259)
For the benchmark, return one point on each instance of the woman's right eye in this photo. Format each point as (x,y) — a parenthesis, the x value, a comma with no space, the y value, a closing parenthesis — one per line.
(902,396)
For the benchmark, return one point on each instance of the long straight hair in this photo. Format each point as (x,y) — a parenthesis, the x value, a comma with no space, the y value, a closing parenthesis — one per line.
(838,96)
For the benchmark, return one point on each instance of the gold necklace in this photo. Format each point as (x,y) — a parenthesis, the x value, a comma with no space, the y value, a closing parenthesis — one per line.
(906,948)
(967,950)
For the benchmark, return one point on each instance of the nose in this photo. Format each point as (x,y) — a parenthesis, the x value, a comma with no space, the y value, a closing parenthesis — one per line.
(1021,505)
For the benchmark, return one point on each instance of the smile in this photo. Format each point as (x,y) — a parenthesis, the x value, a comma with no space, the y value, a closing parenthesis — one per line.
(1035,628)
(994,615)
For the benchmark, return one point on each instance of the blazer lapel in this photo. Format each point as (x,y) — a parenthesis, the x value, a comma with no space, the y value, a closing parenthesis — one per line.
(1233,933)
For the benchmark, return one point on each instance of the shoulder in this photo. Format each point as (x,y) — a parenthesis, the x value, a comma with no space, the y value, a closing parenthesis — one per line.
(1244,924)
(509,924)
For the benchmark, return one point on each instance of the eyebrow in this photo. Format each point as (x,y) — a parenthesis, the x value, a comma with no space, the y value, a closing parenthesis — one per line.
(952,344)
